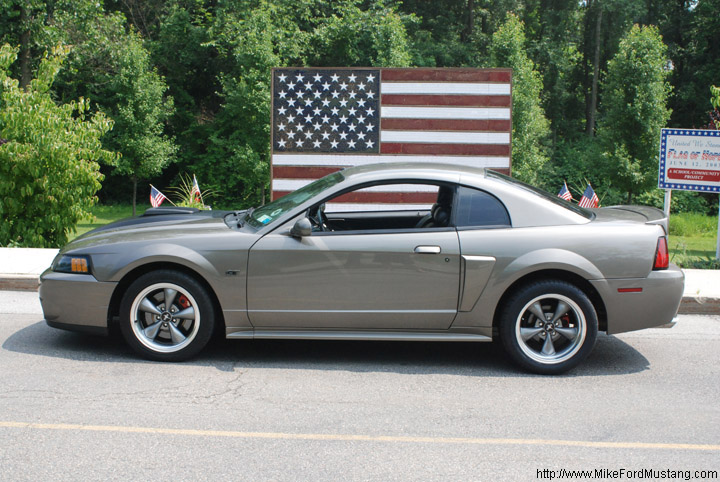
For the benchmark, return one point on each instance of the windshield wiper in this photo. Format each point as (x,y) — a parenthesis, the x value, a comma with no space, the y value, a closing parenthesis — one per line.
(244,219)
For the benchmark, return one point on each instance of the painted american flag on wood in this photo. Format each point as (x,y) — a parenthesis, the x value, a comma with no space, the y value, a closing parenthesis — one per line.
(326,119)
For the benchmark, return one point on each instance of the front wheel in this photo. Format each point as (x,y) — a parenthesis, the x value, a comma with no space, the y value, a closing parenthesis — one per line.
(166,316)
(548,327)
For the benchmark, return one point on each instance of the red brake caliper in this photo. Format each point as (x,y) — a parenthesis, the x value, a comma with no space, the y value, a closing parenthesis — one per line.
(565,320)
(183,301)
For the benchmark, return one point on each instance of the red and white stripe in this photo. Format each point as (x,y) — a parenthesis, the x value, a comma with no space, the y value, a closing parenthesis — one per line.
(454,116)
(591,202)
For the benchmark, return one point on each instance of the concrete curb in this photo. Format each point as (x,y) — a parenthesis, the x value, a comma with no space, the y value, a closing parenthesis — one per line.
(699,305)
(690,305)
(19,282)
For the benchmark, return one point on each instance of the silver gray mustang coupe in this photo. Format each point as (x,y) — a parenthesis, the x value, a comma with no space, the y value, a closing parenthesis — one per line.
(462,254)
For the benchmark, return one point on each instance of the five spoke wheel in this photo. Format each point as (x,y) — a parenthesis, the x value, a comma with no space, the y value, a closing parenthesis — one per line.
(549,326)
(164,317)
(167,315)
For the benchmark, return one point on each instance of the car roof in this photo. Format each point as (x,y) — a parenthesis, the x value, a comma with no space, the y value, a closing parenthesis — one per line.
(392,171)
(412,168)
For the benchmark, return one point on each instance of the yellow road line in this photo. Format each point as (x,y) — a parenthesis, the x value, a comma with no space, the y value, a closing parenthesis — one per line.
(363,438)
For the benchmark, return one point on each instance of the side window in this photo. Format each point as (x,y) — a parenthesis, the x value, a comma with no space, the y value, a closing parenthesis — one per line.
(478,208)
(398,206)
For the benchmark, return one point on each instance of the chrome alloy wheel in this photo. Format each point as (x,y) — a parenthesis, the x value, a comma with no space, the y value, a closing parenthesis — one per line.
(165,317)
(550,329)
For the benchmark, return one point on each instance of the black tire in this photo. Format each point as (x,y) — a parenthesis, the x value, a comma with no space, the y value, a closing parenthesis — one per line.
(558,341)
(150,327)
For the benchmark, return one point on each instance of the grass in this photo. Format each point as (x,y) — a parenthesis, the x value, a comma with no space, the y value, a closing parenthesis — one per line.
(693,252)
(693,225)
(693,240)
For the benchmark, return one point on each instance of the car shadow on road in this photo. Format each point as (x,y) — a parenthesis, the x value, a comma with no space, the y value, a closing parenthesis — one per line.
(611,355)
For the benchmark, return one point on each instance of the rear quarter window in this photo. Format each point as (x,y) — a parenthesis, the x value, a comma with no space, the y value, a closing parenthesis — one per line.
(480,209)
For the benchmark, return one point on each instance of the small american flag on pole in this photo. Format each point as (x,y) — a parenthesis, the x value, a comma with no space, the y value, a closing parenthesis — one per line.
(196,189)
(565,192)
(156,197)
(326,119)
(589,199)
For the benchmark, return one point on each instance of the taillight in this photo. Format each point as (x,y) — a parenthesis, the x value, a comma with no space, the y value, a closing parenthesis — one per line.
(662,257)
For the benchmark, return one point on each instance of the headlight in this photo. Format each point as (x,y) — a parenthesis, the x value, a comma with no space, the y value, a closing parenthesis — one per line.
(73,264)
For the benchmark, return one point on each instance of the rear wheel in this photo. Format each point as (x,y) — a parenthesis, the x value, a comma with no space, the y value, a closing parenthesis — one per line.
(167,316)
(548,327)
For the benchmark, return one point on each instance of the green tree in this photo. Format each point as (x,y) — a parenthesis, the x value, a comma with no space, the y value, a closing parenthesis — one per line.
(111,65)
(530,127)
(108,64)
(455,33)
(140,109)
(605,21)
(49,155)
(189,64)
(352,36)
(635,109)
(556,51)
(251,44)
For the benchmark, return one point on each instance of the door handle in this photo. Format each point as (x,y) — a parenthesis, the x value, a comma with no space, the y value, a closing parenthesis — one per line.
(427,249)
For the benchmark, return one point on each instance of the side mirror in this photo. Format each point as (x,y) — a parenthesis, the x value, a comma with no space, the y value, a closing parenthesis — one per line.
(302,228)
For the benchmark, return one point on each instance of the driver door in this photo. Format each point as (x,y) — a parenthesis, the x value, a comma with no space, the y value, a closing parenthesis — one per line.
(375,279)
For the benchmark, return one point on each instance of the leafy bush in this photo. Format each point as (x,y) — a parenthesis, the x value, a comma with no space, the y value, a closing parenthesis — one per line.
(49,171)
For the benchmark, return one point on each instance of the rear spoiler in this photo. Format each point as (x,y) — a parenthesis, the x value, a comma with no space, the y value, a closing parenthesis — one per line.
(653,215)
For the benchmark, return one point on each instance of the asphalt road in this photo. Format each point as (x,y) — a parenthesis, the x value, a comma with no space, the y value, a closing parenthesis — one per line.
(75,407)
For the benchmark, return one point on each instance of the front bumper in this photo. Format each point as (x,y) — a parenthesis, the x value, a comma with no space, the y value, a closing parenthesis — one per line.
(656,305)
(75,301)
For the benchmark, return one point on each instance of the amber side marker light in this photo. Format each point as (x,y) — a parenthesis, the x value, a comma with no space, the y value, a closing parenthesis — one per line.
(662,256)
(73,264)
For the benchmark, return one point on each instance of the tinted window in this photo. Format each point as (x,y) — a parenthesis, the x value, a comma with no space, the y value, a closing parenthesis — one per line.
(478,208)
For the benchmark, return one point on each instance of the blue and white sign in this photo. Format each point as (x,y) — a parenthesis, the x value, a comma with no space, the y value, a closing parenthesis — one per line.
(690,160)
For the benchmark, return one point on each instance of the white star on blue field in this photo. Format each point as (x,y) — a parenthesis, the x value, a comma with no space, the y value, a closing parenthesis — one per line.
(326,111)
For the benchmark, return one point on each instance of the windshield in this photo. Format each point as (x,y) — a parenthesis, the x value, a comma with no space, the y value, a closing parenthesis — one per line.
(268,213)
(544,194)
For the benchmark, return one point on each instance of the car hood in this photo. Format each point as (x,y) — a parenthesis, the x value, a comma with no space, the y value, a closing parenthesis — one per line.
(168,224)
